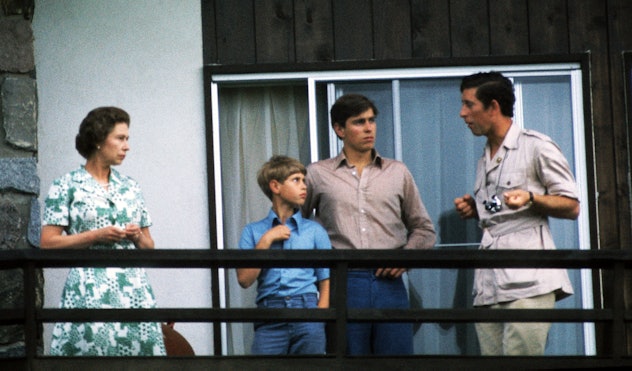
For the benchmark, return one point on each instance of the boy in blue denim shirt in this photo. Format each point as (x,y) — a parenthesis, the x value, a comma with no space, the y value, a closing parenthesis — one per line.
(282,179)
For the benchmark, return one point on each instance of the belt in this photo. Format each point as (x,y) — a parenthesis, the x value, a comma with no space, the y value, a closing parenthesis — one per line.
(278,299)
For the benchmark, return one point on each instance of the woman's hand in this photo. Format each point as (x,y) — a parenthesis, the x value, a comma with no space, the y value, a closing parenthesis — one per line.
(139,236)
(133,232)
(54,237)
(110,234)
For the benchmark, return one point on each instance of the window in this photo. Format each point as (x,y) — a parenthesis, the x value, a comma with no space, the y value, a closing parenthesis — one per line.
(257,115)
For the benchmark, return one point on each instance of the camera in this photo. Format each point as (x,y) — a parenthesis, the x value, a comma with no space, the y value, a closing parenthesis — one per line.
(493,205)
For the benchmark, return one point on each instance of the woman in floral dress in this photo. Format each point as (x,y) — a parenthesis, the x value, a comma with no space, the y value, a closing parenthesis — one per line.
(95,207)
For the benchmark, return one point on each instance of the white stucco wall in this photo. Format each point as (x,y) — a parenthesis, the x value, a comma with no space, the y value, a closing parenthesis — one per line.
(144,56)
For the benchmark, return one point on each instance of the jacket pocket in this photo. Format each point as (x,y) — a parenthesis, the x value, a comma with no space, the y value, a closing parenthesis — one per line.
(516,278)
(512,180)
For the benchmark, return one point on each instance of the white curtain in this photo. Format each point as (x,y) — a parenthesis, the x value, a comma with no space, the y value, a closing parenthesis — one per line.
(255,123)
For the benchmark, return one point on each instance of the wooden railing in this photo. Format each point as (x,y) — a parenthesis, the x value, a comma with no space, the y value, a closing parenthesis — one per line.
(614,315)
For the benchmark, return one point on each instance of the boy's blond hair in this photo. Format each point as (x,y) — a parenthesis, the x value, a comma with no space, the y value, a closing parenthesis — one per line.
(278,168)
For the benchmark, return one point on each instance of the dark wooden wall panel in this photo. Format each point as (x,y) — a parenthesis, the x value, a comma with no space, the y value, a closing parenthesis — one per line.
(274,26)
(548,27)
(431,28)
(620,37)
(314,31)
(353,30)
(590,32)
(508,27)
(392,29)
(588,22)
(469,27)
(235,32)
(208,30)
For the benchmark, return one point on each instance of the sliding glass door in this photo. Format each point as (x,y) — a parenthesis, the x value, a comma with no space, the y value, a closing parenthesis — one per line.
(419,124)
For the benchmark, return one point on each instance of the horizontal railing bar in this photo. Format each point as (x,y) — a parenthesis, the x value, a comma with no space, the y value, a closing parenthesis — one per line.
(186,315)
(479,315)
(325,362)
(313,315)
(11,316)
(234,258)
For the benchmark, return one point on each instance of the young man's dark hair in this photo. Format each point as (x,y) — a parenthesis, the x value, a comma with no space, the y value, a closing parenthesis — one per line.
(350,105)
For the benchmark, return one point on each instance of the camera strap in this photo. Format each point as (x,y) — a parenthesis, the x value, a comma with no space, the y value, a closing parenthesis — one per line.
(500,171)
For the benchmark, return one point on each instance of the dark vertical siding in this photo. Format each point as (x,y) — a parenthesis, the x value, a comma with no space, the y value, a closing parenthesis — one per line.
(314,31)
(208,34)
(620,39)
(274,26)
(590,32)
(469,28)
(508,27)
(392,29)
(235,32)
(431,28)
(353,30)
(548,26)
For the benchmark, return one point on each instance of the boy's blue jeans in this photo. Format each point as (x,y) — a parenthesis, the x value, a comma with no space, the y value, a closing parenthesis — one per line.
(364,290)
(282,338)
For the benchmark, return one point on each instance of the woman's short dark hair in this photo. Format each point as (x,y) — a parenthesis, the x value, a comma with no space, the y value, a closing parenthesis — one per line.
(96,126)
(492,86)
(350,105)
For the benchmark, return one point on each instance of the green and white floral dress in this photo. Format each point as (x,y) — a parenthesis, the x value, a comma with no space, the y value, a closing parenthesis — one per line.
(78,203)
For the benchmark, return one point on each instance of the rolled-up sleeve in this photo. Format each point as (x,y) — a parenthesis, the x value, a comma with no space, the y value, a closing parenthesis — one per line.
(554,171)
(421,232)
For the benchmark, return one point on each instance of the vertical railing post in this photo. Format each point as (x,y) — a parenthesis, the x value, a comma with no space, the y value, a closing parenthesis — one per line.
(30,320)
(215,303)
(618,311)
(340,302)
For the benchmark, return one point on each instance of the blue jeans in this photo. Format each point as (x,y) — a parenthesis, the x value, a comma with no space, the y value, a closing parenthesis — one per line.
(364,290)
(283,338)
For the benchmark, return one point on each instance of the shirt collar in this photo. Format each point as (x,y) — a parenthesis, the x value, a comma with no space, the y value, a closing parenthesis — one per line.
(511,138)
(296,219)
(82,176)
(341,159)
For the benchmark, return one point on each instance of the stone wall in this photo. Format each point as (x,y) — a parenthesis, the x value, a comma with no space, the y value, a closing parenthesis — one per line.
(19,183)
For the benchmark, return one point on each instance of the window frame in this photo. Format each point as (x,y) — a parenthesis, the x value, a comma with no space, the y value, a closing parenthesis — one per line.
(583,155)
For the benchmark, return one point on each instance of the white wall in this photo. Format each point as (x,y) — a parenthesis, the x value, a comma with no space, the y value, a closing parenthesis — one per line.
(144,56)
